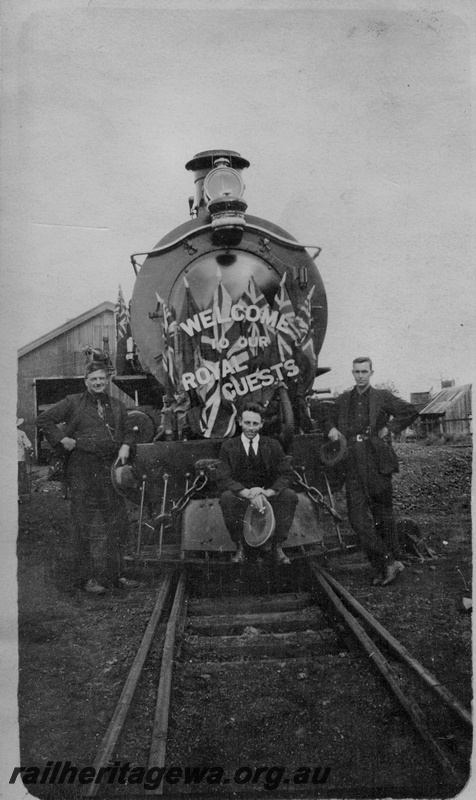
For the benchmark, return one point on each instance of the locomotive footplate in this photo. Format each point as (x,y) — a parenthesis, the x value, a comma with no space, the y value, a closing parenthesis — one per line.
(203,528)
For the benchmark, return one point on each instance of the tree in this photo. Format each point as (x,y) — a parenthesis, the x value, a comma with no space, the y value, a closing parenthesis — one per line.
(389,385)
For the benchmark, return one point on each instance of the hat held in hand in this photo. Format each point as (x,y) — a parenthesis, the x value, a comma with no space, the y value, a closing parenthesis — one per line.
(259,522)
(332,453)
(124,478)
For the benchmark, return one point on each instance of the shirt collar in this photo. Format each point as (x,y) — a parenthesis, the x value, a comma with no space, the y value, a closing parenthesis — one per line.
(246,442)
(94,398)
(357,390)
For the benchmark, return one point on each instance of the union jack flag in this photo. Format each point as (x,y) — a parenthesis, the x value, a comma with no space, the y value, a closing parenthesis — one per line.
(122,317)
(286,340)
(303,318)
(256,330)
(171,361)
(303,322)
(210,339)
(189,345)
(218,415)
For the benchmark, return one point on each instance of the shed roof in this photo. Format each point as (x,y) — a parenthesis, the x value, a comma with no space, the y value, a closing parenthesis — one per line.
(445,399)
(67,326)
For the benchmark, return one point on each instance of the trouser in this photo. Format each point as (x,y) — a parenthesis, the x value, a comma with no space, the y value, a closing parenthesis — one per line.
(92,492)
(370,506)
(23,483)
(234,507)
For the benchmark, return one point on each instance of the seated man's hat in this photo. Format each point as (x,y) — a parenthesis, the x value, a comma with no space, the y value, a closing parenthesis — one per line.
(259,522)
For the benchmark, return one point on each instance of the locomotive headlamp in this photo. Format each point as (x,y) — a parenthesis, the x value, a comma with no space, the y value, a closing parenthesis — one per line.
(223,187)
(223,182)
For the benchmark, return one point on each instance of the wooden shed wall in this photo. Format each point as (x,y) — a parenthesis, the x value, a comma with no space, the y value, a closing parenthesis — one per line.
(61,357)
(457,416)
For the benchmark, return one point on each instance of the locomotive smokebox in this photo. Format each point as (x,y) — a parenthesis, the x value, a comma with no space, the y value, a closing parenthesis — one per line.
(219,190)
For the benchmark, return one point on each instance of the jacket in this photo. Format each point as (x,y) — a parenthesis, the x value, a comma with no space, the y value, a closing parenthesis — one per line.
(385,411)
(73,412)
(276,463)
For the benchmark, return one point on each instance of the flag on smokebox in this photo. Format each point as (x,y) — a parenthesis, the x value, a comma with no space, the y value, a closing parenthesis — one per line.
(189,345)
(171,360)
(121,314)
(257,330)
(303,325)
(286,340)
(218,414)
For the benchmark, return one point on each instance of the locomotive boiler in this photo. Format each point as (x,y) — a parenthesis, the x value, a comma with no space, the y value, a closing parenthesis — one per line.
(227,308)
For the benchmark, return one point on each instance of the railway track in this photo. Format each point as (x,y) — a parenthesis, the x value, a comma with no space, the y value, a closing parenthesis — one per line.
(203,640)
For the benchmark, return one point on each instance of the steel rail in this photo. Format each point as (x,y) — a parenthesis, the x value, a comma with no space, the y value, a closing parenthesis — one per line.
(161,719)
(427,677)
(116,725)
(410,706)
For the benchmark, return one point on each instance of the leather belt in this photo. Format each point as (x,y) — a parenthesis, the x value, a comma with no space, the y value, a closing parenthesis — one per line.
(361,437)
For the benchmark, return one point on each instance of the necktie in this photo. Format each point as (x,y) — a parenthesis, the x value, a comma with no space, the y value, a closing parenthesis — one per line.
(251,452)
(100,408)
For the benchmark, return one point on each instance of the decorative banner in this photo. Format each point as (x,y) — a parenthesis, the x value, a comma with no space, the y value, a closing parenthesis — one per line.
(228,351)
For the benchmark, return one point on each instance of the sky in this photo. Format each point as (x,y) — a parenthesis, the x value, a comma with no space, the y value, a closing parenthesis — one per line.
(356,121)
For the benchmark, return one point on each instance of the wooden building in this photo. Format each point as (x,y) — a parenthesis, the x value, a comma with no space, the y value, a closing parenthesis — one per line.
(52,366)
(449,412)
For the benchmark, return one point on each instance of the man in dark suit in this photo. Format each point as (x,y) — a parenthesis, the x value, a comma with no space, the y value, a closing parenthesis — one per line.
(97,430)
(367,417)
(252,465)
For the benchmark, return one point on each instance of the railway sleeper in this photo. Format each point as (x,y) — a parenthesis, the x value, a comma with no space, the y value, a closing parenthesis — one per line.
(250,605)
(271,622)
(261,645)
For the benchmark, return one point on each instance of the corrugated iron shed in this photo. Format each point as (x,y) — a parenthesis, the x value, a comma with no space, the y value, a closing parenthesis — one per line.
(445,399)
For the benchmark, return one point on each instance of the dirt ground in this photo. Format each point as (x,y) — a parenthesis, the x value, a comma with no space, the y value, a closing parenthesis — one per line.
(76,650)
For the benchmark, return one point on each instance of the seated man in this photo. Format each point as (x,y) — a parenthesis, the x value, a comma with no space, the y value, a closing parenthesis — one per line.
(253,465)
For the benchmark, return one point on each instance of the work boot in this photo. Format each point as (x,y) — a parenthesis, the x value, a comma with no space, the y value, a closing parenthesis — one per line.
(127,583)
(392,571)
(93,587)
(239,556)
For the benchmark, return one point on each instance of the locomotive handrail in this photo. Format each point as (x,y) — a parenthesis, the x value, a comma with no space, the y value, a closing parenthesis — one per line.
(283,239)
(171,244)
(202,228)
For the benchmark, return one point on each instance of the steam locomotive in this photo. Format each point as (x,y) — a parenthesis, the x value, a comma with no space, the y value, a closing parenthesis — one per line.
(227,308)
